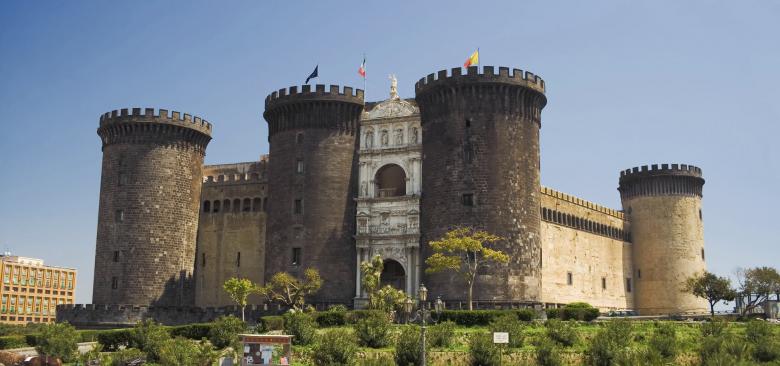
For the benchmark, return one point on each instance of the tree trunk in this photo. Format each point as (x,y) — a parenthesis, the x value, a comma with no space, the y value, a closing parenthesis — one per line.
(471,305)
(242,313)
(712,309)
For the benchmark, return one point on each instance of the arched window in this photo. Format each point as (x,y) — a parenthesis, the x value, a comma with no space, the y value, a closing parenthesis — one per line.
(206,206)
(391,181)
(257,204)
(216,206)
(247,205)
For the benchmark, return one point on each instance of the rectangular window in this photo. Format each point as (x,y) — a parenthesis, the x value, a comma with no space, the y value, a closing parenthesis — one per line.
(203,260)
(467,199)
(298,208)
(569,278)
(603,283)
(628,285)
(299,166)
(238,259)
(122,179)
(120,216)
(296,256)
(114,283)
(116,256)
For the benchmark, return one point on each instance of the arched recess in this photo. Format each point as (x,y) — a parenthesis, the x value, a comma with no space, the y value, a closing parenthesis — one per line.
(390,181)
(393,274)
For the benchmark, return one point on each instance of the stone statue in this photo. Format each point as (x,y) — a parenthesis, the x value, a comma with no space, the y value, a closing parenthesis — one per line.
(385,138)
(393,87)
(399,136)
(369,139)
(414,137)
(364,189)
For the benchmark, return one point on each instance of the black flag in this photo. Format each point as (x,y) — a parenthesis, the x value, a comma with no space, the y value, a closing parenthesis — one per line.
(313,74)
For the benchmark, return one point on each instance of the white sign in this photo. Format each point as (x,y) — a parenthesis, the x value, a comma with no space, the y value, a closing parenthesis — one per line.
(500,337)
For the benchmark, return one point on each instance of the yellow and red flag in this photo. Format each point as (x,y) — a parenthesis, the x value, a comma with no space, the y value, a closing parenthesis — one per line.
(473,59)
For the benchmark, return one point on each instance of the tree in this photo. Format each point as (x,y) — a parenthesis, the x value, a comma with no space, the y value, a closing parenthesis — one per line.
(755,285)
(239,289)
(57,340)
(291,291)
(463,250)
(710,287)
(385,298)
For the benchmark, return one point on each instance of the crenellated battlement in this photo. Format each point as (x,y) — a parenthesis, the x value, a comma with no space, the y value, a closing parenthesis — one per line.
(661,180)
(487,76)
(331,93)
(581,202)
(152,115)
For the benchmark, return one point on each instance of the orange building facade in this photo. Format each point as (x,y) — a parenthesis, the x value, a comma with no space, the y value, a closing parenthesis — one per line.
(31,291)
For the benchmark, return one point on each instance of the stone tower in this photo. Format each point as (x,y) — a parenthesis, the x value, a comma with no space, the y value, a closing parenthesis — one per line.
(481,169)
(663,205)
(149,200)
(312,184)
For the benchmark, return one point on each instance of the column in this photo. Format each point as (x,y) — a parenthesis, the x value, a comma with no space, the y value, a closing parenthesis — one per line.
(357,273)
(409,271)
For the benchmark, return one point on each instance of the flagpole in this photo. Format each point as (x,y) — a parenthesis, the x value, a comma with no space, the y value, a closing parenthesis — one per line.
(365,70)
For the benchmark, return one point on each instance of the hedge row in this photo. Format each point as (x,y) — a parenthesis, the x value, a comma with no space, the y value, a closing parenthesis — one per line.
(13,341)
(574,311)
(483,317)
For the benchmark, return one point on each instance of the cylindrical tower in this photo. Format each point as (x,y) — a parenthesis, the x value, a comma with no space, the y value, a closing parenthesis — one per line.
(664,208)
(149,200)
(481,169)
(312,183)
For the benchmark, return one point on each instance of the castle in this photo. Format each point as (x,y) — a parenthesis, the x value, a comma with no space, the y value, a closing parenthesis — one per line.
(346,180)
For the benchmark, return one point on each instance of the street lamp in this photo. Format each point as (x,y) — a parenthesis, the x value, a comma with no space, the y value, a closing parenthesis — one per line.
(408,306)
(422,294)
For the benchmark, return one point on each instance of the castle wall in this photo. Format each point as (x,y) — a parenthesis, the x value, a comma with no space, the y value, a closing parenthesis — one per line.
(148,215)
(231,238)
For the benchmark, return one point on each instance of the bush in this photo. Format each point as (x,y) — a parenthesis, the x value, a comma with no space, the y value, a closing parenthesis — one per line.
(178,352)
(482,350)
(113,340)
(757,331)
(664,340)
(191,331)
(340,308)
(373,330)
(273,322)
(470,318)
(767,351)
(508,323)
(525,315)
(207,354)
(440,335)
(564,333)
(331,318)
(95,356)
(123,356)
(149,336)
(713,328)
(13,341)
(225,330)
(352,317)
(547,353)
(335,347)
(553,313)
(378,359)
(300,325)
(608,344)
(407,347)
(579,311)
(58,340)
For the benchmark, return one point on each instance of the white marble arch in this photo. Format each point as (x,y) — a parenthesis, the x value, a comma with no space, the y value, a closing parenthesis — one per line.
(403,164)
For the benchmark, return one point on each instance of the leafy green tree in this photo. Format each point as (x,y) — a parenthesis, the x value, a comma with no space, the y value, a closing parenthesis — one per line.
(756,285)
(464,250)
(710,287)
(149,337)
(179,352)
(239,290)
(225,330)
(385,298)
(57,340)
(290,291)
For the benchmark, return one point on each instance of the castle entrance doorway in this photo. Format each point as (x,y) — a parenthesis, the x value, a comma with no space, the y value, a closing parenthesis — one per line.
(393,274)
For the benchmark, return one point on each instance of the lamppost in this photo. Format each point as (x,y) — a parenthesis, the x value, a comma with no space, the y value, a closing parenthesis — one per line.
(422,294)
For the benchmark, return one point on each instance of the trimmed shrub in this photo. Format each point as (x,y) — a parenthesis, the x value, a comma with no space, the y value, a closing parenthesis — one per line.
(508,323)
(407,347)
(373,330)
(300,325)
(525,315)
(190,331)
(470,318)
(482,350)
(225,330)
(335,347)
(272,322)
(441,335)
(13,341)
(553,313)
(113,340)
(331,318)
(579,311)
(547,353)
(664,340)
(564,333)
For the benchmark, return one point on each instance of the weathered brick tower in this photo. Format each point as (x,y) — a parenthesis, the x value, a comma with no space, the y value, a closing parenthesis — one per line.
(149,200)
(312,184)
(663,205)
(481,169)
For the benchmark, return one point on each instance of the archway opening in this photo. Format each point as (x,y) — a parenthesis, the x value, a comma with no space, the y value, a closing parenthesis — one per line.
(393,274)
(391,181)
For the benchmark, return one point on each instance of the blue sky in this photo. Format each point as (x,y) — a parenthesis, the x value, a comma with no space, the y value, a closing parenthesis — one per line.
(629,83)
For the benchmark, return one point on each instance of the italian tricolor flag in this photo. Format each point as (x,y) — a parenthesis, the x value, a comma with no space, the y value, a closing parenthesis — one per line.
(362,69)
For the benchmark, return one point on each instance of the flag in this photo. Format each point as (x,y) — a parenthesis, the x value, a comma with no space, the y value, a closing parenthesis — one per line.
(473,59)
(313,74)
(362,69)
